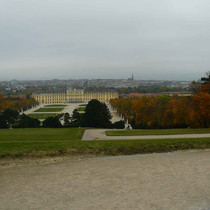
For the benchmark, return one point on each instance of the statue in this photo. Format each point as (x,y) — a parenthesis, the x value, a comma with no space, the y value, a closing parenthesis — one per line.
(127,126)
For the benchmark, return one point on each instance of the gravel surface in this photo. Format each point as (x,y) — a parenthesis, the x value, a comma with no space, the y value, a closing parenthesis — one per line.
(115,116)
(178,180)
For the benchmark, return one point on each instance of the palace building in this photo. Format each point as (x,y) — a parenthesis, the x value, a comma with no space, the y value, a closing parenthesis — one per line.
(73,96)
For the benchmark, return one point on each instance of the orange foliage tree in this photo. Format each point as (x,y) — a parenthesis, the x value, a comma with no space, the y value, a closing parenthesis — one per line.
(18,105)
(166,112)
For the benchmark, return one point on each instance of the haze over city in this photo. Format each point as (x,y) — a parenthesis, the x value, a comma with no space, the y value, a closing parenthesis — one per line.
(91,39)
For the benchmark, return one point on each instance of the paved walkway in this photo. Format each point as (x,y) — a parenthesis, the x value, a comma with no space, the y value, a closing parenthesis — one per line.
(99,134)
(178,180)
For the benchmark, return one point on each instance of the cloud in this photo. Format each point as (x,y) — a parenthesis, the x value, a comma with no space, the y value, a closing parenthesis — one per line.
(164,39)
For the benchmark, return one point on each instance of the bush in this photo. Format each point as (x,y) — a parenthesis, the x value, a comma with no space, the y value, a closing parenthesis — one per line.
(28,122)
(52,122)
(119,124)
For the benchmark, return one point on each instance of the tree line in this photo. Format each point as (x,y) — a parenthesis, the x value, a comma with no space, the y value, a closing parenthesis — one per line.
(168,112)
(96,115)
(18,104)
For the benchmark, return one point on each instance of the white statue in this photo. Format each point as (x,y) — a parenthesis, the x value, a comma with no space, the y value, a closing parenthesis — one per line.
(128,126)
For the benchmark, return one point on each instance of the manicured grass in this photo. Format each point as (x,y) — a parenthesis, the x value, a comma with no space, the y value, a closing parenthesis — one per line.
(41,134)
(49,110)
(82,108)
(83,105)
(156,132)
(41,116)
(48,141)
(56,105)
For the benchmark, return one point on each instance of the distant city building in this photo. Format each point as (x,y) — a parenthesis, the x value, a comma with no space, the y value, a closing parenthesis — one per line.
(73,96)
(132,78)
(139,95)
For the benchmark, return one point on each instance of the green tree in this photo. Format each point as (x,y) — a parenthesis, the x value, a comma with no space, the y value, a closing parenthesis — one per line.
(28,122)
(9,117)
(96,115)
(52,122)
(206,79)
(67,120)
(119,124)
(76,119)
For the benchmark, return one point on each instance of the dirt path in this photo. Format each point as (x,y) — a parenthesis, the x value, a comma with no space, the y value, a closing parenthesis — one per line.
(178,180)
(99,134)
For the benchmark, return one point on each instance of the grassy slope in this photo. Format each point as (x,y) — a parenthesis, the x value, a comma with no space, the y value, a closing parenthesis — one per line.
(156,132)
(49,110)
(47,141)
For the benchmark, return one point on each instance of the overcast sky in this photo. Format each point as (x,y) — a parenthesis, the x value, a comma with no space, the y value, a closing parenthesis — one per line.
(75,39)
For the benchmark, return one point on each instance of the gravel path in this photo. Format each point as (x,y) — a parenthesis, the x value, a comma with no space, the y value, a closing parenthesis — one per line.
(68,108)
(115,116)
(99,134)
(29,111)
(178,180)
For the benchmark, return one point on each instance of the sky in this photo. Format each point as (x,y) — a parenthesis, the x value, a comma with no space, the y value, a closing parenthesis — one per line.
(107,39)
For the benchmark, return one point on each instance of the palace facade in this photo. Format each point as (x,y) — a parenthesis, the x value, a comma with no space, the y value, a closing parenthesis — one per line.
(73,96)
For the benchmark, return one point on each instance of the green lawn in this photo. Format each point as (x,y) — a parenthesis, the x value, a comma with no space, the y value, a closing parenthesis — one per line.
(41,116)
(41,134)
(82,108)
(57,141)
(83,105)
(49,110)
(156,132)
(56,105)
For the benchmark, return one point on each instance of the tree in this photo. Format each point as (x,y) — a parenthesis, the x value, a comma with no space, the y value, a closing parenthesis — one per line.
(3,123)
(52,122)
(8,118)
(2,102)
(206,79)
(194,86)
(76,119)
(28,122)
(201,105)
(66,119)
(119,124)
(96,115)
(205,84)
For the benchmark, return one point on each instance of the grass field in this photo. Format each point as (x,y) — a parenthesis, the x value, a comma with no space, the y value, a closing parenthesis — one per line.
(82,108)
(83,105)
(156,132)
(41,116)
(40,142)
(56,105)
(49,110)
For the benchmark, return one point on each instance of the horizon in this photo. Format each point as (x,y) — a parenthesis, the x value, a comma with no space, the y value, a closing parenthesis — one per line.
(22,80)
